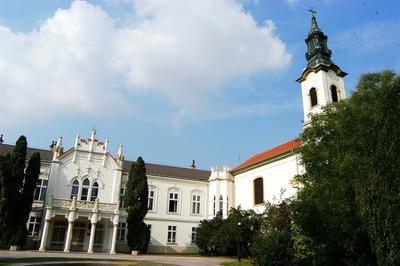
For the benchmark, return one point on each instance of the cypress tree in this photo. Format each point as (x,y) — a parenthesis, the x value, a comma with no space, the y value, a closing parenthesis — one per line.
(16,193)
(136,204)
(31,177)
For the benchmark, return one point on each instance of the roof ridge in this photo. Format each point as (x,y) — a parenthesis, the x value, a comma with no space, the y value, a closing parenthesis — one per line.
(270,153)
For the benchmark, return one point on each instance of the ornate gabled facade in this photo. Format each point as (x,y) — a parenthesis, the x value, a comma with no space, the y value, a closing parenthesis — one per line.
(79,198)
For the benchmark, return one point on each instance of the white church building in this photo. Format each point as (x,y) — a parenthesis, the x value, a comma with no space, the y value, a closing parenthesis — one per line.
(79,197)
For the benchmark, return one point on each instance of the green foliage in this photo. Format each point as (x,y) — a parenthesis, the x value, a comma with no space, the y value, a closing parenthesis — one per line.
(136,203)
(16,190)
(346,212)
(31,176)
(220,236)
(274,246)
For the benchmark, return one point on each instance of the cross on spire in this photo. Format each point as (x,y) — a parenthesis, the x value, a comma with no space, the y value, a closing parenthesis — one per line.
(312,11)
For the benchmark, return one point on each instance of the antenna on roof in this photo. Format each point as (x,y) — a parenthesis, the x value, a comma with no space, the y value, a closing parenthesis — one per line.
(1,139)
(193,166)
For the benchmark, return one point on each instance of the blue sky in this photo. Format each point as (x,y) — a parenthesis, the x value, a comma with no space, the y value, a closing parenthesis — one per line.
(177,80)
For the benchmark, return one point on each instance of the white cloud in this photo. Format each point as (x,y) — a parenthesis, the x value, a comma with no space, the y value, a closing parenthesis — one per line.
(292,2)
(80,62)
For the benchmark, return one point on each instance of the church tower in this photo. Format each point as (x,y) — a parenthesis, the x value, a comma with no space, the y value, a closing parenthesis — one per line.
(322,80)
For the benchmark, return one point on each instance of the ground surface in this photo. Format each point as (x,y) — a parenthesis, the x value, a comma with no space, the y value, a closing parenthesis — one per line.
(163,259)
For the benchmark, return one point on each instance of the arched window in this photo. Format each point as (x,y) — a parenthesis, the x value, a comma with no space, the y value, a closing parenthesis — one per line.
(85,189)
(214,206)
(95,191)
(75,189)
(221,204)
(334,94)
(313,97)
(258,191)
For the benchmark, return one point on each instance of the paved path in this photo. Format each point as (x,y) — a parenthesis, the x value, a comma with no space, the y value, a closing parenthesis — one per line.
(170,259)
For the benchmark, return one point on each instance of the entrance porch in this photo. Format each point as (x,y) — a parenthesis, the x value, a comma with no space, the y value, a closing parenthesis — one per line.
(72,225)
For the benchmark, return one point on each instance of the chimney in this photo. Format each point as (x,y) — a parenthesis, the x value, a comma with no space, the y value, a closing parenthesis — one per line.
(1,139)
(193,166)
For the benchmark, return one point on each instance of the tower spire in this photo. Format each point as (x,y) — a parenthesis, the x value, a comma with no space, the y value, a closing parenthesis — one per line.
(318,54)
(322,80)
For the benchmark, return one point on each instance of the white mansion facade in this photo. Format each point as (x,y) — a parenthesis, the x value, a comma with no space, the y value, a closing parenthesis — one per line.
(78,202)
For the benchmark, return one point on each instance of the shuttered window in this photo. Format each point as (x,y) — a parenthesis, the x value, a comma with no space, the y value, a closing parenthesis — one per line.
(258,191)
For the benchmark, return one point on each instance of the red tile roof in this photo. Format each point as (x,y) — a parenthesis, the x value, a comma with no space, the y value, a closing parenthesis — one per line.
(278,150)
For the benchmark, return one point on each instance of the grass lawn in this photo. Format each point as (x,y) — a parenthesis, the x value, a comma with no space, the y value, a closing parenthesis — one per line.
(243,262)
(33,260)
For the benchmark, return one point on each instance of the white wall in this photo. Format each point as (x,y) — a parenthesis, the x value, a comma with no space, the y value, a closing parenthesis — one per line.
(276,176)
(322,82)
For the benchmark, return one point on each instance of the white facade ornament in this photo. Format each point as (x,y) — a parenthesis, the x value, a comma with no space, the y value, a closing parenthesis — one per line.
(120,154)
(58,149)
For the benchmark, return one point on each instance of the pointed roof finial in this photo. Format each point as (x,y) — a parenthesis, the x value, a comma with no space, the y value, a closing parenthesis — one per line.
(76,140)
(93,133)
(314,24)
(312,11)
(120,154)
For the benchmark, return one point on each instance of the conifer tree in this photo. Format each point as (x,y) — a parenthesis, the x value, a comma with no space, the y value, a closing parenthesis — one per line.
(136,204)
(16,193)
(31,177)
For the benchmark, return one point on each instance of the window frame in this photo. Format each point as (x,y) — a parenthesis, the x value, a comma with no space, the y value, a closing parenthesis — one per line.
(41,189)
(221,204)
(193,235)
(75,184)
(152,199)
(122,193)
(92,187)
(121,231)
(195,203)
(34,222)
(313,97)
(214,205)
(334,91)
(258,187)
(177,193)
(171,234)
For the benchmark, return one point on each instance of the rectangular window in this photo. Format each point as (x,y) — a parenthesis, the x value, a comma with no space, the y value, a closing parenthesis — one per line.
(121,231)
(122,198)
(150,201)
(173,202)
(40,190)
(221,204)
(171,234)
(149,226)
(196,204)
(194,232)
(34,225)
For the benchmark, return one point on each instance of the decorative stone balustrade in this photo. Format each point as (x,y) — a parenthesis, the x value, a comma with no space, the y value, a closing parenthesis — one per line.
(82,204)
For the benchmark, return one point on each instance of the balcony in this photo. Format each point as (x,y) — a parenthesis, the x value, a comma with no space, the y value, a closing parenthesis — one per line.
(82,205)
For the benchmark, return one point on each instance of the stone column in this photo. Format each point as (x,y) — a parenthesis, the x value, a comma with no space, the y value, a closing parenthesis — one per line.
(115,221)
(91,241)
(114,239)
(69,236)
(47,218)
(71,216)
(44,235)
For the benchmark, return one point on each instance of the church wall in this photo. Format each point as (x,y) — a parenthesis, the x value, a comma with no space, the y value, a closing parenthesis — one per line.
(276,176)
